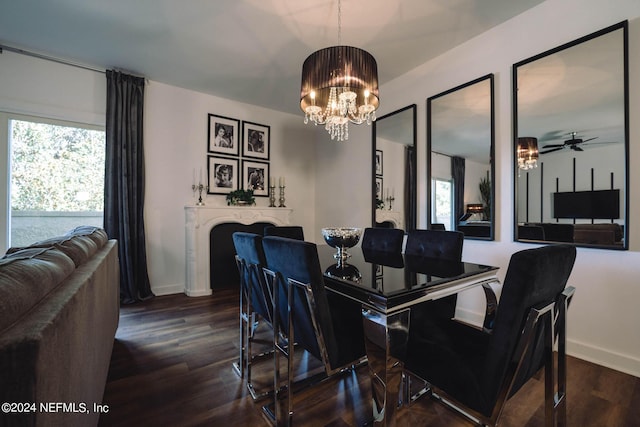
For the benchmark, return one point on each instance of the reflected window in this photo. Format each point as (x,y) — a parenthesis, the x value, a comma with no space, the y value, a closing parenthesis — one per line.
(443,202)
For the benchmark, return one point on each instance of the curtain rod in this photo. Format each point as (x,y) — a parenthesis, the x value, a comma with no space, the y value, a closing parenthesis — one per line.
(50,58)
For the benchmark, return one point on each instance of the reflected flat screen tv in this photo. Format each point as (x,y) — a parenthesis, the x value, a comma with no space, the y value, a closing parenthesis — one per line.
(600,204)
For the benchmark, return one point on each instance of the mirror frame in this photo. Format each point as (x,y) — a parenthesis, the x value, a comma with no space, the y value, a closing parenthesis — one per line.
(491,79)
(409,224)
(625,35)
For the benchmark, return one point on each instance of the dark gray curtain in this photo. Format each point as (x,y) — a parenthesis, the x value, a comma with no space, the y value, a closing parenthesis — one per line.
(457,172)
(124,183)
(409,185)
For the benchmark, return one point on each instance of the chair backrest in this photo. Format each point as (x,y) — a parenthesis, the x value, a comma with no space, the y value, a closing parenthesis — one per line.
(534,278)
(446,245)
(383,239)
(298,260)
(437,226)
(251,256)
(290,231)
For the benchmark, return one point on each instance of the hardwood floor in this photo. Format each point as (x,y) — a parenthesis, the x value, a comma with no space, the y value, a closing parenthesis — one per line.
(172,365)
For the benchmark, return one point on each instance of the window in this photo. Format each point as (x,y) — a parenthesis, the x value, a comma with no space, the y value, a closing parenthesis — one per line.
(56,178)
(443,202)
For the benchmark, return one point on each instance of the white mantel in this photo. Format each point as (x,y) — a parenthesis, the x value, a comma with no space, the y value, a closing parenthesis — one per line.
(394,217)
(199,220)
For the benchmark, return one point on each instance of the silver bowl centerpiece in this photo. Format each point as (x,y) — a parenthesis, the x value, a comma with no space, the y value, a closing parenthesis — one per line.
(341,238)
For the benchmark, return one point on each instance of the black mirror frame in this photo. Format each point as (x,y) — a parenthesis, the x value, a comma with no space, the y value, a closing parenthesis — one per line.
(491,79)
(410,222)
(625,27)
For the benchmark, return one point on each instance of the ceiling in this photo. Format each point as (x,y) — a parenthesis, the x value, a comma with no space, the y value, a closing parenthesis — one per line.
(246,50)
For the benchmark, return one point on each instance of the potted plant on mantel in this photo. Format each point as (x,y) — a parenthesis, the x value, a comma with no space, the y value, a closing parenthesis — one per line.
(241,198)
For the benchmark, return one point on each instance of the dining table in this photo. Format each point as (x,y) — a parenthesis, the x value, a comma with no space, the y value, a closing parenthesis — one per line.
(388,285)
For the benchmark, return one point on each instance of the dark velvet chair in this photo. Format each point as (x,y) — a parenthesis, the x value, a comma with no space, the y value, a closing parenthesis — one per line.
(477,369)
(326,325)
(382,239)
(289,231)
(438,245)
(255,300)
(437,226)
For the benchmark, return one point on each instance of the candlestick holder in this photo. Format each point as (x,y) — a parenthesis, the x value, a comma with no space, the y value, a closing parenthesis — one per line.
(199,187)
(390,200)
(272,196)
(281,197)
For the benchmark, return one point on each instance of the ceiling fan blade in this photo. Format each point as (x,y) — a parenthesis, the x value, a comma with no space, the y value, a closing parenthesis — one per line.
(551,150)
(576,148)
(590,139)
(553,146)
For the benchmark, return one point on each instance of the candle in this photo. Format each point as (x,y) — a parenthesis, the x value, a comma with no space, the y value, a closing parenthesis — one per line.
(281,181)
(272,182)
(200,182)
(193,177)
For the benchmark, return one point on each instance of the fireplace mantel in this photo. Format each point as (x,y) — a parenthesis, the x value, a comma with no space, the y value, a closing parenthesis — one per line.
(199,220)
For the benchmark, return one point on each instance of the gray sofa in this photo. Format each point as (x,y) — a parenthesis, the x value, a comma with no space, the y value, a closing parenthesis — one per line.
(59,310)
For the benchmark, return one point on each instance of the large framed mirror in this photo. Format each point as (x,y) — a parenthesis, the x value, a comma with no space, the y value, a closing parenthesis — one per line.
(570,120)
(460,152)
(394,169)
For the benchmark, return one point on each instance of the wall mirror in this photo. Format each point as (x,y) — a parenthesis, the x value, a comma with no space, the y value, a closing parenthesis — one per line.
(394,169)
(571,142)
(460,146)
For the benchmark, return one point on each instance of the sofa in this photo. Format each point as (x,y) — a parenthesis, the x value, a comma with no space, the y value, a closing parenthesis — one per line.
(59,311)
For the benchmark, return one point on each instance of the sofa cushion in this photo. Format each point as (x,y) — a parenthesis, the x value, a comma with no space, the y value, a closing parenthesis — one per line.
(28,275)
(97,234)
(78,248)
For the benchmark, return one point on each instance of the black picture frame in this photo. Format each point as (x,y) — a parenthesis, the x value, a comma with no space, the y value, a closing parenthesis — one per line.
(255,176)
(379,162)
(223,175)
(227,143)
(256,140)
(379,188)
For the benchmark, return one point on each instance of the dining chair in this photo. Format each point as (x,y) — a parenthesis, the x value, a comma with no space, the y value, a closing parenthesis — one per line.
(382,239)
(437,226)
(326,325)
(475,370)
(255,301)
(290,231)
(438,245)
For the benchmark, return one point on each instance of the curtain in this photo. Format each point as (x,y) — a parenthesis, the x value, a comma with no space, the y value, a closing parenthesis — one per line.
(457,172)
(124,183)
(410,191)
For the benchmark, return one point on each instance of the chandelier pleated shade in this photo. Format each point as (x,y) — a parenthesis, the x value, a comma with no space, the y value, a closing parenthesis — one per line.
(527,152)
(339,67)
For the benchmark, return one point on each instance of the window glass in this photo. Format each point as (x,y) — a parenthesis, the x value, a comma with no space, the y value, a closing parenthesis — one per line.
(442,208)
(57,178)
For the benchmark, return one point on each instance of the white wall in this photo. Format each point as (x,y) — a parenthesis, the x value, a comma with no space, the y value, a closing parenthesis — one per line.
(604,318)
(176,144)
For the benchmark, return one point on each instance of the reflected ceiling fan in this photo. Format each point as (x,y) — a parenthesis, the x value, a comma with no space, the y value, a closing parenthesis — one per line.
(573,144)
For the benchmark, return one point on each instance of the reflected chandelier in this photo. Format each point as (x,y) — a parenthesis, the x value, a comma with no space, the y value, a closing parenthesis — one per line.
(527,153)
(339,85)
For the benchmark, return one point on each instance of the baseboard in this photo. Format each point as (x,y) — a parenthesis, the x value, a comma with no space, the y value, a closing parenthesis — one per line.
(168,289)
(620,362)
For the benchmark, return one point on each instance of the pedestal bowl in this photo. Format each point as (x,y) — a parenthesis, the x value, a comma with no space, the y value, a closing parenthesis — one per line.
(342,238)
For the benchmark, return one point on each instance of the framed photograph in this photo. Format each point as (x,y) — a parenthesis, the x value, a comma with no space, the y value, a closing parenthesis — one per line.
(223,175)
(379,162)
(255,140)
(223,135)
(255,176)
(379,194)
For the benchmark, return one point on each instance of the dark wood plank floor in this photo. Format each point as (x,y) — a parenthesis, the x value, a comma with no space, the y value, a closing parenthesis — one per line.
(171,365)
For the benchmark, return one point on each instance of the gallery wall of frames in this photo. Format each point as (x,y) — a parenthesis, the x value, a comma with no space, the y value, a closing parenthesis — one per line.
(237,156)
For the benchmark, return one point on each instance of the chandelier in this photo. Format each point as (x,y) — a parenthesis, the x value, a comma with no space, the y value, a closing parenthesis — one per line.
(527,153)
(339,86)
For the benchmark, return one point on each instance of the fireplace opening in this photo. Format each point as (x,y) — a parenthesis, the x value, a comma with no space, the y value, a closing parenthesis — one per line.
(224,272)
